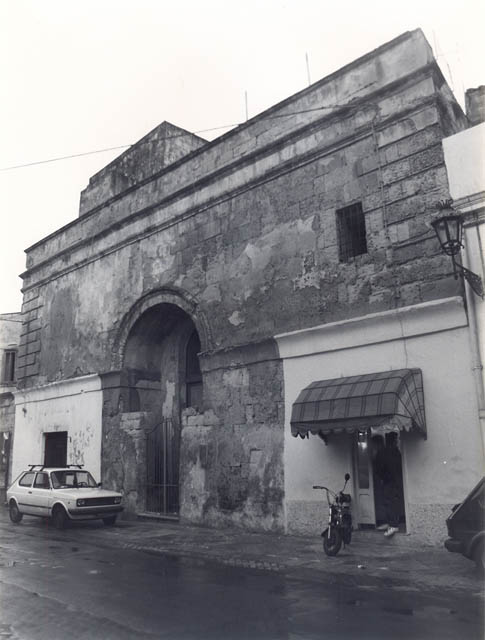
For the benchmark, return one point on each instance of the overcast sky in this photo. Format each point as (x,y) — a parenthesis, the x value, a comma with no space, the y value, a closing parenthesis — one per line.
(84,75)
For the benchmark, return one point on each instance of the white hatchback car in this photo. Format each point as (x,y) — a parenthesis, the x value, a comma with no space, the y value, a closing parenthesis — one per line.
(62,494)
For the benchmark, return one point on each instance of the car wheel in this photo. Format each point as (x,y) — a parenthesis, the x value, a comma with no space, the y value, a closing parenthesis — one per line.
(109,521)
(59,518)
(14,513)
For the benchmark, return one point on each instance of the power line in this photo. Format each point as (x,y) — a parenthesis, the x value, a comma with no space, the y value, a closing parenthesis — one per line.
(177,135)
(74,155)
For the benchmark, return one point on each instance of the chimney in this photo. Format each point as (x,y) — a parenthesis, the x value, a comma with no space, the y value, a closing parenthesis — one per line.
(475,105)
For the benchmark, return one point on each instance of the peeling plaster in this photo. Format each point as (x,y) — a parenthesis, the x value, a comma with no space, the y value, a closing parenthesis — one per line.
(236,378)
(169,398)
(235,319)
(212,293)
(259,256)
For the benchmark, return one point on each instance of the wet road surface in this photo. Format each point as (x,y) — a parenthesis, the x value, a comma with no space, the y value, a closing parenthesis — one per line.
(56,585)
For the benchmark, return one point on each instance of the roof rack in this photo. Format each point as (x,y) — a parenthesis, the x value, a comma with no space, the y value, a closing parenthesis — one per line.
(41,467)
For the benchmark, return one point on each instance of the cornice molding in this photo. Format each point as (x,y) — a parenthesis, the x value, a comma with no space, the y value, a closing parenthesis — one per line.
(397,324)
(59,389)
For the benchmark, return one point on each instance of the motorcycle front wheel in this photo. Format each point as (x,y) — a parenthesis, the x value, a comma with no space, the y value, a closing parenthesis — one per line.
(332,541)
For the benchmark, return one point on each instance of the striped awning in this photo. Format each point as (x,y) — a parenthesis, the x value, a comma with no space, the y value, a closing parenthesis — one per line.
(391,398)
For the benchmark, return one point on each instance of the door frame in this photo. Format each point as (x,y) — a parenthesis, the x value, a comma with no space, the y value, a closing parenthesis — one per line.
(365,516)
(402,450)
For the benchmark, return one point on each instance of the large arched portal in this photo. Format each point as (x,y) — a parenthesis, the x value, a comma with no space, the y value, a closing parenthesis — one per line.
(162,377)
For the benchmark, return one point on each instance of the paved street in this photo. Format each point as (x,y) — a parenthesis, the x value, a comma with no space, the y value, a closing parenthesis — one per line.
(142,580)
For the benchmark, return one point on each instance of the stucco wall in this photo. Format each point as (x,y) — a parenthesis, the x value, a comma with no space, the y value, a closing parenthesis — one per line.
(465,162)
(439,471)
(465,165)
(72,405)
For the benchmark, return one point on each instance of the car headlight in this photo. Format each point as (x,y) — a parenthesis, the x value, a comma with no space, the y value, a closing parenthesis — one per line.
(80,502)
(117,500)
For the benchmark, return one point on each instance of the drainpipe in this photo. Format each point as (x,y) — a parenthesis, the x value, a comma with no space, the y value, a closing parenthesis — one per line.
(474,333)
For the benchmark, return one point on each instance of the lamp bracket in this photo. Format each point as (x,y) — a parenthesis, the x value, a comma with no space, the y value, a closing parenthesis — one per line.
(473,279)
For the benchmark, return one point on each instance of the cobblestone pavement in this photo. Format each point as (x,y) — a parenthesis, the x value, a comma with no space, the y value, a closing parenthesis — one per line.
(166,580)
(154,579)
(370,554)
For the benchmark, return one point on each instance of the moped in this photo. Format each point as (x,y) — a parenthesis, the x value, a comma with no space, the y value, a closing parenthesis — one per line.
(339,520)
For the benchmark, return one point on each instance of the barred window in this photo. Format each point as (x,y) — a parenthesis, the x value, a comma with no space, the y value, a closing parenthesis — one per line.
(352,239)
(8,373)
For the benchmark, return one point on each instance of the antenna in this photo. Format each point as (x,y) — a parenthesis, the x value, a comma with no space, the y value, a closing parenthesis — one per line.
(308,69)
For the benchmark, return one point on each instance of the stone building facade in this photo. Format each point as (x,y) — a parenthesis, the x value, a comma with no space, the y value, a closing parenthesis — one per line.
(10,328)
(169,329)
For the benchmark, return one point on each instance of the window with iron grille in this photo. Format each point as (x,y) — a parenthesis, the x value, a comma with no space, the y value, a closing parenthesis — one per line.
(8,373)
(351,232)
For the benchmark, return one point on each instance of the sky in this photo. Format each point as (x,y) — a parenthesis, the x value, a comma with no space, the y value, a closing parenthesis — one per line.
(78,76)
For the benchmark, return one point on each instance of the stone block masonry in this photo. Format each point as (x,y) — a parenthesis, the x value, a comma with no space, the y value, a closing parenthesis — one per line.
(241,235)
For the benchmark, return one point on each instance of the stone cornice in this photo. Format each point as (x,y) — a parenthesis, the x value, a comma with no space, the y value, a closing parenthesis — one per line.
(387,326)
(472,207)
(59,389)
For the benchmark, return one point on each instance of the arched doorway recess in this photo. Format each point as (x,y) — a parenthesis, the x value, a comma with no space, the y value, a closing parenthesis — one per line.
(162,373)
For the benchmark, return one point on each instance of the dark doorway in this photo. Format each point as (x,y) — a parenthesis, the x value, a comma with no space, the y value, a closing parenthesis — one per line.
(55,449)
(393,471)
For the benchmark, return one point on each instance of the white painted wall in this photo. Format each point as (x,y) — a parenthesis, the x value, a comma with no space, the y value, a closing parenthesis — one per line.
(433,337)
(465,165)
(465,161)
(74,406)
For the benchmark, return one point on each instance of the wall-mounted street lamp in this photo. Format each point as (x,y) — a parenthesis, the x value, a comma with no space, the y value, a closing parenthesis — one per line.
(449,229)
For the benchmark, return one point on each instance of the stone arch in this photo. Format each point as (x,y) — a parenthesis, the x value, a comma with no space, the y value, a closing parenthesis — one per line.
(148,358)
(165,295)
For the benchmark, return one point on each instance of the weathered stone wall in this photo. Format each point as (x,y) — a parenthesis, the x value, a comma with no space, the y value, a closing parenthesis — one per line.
(7,411)
(10,332)
(245,228)
(475,105)
(7,423)
(265,260)
(232,455)
(159,148)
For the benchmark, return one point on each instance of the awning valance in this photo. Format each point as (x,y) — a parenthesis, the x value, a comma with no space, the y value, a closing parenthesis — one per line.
(393,398)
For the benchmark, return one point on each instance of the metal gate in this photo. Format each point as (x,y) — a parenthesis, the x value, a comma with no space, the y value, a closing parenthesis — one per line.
(162,456)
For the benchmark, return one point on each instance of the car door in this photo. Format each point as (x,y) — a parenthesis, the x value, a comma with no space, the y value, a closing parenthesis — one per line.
(41,491)
(23,493)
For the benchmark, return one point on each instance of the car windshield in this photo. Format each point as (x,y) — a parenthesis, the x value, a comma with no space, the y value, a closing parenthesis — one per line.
(71,478)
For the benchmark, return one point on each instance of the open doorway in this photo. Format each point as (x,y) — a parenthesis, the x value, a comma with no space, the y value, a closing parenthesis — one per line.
(162,369)
(55,449)
(379,485)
